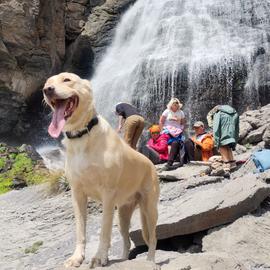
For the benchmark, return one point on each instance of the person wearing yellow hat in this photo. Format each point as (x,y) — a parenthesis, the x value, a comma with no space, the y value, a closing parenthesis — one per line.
(156,148)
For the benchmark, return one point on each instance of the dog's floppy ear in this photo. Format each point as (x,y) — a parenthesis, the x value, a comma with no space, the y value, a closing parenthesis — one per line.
(87,85)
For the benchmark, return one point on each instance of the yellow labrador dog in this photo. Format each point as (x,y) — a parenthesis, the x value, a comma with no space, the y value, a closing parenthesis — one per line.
(100,165)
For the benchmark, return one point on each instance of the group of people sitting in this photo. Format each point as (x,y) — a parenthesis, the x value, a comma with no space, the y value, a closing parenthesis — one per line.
(168,142)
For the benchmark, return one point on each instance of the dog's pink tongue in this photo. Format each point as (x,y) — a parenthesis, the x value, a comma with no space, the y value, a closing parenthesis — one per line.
(58,121)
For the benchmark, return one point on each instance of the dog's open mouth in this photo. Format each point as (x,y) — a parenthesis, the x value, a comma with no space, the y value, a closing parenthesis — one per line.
(63,109)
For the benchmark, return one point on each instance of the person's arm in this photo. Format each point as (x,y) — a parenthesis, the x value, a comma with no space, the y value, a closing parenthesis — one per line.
(121,122)
(217,129)
(207,144)
(210,116)
(162,121)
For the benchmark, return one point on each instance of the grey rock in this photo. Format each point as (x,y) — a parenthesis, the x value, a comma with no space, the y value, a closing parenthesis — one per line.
(176,261)
(184,211)
(240,149)
(255,136)
(76,15)
(183,173)
(18,183)
(247,239)
(244,129)
(254,119)
(32,47)
(266,137)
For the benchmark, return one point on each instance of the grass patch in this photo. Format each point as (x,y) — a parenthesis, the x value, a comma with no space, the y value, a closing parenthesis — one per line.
(34,248)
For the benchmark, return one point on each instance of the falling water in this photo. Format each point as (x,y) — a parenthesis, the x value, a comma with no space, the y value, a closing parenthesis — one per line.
(202,51)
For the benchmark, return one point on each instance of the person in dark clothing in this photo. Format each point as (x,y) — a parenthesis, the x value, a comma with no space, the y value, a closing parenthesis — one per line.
(177,153)
(131,121)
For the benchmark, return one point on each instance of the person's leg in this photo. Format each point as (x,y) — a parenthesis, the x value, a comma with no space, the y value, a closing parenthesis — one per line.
(151,154)
(181,153)
(226,155)
(232,161)
(129,130)
(189,148)
(173,153)
(230,154)
(138,130)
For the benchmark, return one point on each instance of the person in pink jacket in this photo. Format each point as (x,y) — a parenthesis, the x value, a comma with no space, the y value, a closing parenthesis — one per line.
(156,148)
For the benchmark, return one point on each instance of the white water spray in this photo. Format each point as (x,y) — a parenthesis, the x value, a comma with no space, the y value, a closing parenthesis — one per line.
(165,48)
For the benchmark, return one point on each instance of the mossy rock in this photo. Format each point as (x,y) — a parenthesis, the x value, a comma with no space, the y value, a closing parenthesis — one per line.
(14,164)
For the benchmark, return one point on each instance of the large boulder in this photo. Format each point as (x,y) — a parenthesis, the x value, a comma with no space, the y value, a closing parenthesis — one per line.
(32,46)
(254,126)
(255,136)
(186,209)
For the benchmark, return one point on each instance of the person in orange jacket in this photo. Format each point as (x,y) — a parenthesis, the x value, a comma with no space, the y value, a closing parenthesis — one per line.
(200,146)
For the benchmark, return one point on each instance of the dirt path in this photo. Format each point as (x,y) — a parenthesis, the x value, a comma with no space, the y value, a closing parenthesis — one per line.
(30,216)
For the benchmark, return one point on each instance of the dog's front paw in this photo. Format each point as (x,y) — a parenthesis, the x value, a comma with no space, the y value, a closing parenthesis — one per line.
(99,261)
(74,261)
(155,266)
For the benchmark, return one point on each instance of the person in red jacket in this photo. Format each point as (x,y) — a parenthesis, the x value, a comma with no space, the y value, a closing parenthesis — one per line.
(156,148)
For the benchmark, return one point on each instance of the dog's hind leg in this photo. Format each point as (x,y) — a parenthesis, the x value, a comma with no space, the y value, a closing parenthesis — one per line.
(101,257)
(79,201)
(149,216)
(125,213)
(145,233)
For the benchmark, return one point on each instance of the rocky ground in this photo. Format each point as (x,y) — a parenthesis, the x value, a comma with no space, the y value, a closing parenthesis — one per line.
(38,228)
(205,222)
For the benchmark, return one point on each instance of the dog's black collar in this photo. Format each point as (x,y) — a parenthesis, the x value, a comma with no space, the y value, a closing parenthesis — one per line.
(80,133)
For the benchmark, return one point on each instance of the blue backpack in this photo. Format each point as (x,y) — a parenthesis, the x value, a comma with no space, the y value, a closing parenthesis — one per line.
(261,159)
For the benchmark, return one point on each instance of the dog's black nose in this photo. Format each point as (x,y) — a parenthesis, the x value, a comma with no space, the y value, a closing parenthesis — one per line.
(49,91)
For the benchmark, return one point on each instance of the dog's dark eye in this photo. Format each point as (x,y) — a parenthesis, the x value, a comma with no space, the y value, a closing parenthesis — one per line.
(66,80)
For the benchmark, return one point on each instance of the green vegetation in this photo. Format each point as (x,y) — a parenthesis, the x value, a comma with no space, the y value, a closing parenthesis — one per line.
(2,163)
(20,166)
(34,248)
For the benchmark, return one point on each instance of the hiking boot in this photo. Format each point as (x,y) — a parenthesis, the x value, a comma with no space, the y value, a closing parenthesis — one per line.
(169,167)
(217,172)
(233,165)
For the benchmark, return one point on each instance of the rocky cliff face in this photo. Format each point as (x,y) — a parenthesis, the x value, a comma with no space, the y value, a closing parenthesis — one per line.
(95,36)
(37,38)
(32,46)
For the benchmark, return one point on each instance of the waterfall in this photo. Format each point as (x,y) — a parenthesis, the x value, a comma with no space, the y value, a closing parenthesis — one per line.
(205,52)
